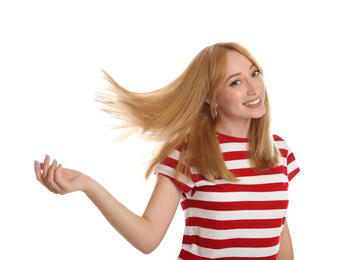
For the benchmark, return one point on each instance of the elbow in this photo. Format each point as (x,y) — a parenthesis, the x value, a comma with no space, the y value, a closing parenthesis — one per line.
(148,247)
(147,250)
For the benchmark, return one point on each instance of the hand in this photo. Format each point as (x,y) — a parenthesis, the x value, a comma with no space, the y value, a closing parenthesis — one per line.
(60,180)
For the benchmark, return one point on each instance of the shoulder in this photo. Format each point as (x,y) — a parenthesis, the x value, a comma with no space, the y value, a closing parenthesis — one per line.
(282,145)
(288,157)
(279,141)
(278,138)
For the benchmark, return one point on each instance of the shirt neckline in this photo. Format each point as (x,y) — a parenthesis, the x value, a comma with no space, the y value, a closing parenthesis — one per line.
(231,138)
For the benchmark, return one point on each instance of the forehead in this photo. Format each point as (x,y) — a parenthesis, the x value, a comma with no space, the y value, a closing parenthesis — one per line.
(237,62)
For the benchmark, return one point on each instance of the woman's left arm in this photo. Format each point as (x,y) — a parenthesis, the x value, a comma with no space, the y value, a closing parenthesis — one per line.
(286,248)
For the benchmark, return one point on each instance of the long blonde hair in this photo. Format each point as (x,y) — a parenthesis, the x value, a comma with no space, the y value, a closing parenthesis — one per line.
(182,114)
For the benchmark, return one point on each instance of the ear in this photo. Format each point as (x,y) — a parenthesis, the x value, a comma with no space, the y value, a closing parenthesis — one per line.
(209,102)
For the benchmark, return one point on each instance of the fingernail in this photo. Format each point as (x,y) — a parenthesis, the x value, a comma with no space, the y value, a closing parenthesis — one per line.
(35,162)
(46,156)
(60,165)
(54,161)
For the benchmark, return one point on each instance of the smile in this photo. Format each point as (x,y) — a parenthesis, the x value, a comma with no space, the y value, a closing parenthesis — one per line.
(253,102)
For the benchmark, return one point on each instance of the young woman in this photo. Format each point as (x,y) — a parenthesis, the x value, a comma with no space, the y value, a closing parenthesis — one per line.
(217,157)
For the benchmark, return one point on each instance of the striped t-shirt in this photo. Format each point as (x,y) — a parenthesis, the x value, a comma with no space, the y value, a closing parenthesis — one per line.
(234,220)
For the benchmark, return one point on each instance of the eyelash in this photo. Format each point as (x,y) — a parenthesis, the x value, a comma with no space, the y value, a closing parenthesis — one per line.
(257,72)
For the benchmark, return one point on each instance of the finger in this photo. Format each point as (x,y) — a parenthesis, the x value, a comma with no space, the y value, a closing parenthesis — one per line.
(45,166)
(38,173)
(50,178)
(59,179)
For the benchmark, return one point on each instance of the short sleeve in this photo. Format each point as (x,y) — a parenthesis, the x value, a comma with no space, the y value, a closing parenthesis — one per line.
(292,166)
(167,168)
(288,156)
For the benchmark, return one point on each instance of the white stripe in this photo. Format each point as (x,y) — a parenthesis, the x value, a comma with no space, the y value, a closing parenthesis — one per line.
(233,147)
(169,171)
(240,196)
(238,164)
(245,163)
(263,179)
(161,168)
(175,155)
(292,166)
(232,233)
(208,183)
(231,252)
(282,145)
(235,215)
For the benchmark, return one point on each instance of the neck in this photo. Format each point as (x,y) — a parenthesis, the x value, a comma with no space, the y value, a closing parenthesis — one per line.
(238,129)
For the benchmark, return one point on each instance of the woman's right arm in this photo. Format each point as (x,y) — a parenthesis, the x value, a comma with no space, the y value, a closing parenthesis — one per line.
(144,232)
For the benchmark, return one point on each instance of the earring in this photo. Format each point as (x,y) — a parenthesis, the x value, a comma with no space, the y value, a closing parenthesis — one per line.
(214,113)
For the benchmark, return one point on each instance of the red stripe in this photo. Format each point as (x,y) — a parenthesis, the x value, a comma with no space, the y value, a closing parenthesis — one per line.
(290,158)
(185,255)
(170,162)
(248,172)
(280,186)
(230,139)
(293,174)
(234,224)
(181,185)
(283,152)
(197,177)
(235,206)
(237,155)
(245,172)
(277,138)
(227,243)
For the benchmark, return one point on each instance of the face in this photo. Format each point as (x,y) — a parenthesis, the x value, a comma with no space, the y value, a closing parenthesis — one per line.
(241,95)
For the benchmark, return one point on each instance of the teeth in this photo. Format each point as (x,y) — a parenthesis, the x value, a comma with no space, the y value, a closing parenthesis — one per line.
(253,102)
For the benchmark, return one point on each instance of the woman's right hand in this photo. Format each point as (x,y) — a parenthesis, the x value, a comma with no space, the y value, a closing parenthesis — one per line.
(60,180)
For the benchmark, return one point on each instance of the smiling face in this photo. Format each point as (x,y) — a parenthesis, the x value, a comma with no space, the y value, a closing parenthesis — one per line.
(240,97)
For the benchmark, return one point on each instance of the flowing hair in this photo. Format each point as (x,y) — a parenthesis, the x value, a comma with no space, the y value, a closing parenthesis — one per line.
(182,114)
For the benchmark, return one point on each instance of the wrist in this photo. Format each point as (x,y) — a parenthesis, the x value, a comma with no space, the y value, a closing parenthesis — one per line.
(90,187)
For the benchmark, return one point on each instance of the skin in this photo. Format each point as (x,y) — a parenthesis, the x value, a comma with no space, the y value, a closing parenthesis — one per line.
(135,229)
(286,248)
(241,85)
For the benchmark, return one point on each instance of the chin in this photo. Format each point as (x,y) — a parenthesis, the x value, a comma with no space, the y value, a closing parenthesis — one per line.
(260,113)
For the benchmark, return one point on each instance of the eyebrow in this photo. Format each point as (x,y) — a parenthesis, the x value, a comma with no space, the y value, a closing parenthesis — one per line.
(238,74)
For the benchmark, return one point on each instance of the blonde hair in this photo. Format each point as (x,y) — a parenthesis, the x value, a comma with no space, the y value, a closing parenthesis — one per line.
(182,114)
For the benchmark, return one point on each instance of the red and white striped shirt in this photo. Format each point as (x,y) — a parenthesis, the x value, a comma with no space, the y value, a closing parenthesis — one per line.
(234,220)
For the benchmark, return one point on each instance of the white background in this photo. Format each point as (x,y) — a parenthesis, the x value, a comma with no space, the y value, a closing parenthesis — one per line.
(51,53)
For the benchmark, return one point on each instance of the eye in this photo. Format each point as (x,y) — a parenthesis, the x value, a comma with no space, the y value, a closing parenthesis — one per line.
(235,83)
(256,73)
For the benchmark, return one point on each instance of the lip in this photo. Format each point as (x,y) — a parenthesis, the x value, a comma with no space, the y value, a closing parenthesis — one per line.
(258,104)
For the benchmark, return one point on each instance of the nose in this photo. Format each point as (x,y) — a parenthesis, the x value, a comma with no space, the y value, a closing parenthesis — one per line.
(252,87)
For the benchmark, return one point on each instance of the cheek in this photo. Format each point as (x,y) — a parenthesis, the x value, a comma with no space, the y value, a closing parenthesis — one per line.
(228,98)
(263,91)
(261,85)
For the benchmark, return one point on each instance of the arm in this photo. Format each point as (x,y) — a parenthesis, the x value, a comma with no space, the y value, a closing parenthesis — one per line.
(286,248)
(143,232)
(146,232)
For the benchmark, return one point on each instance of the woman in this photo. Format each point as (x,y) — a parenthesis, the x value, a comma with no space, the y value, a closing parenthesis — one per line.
(217,157)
